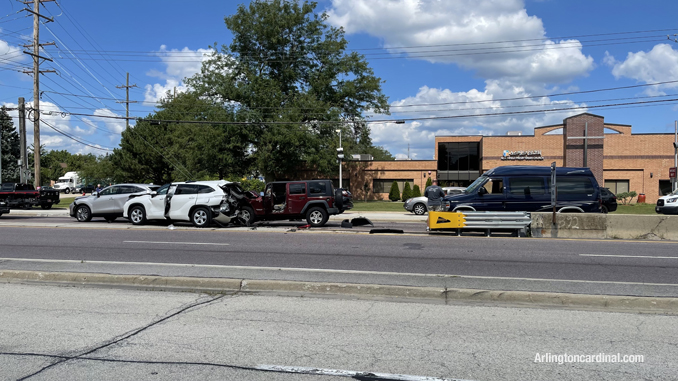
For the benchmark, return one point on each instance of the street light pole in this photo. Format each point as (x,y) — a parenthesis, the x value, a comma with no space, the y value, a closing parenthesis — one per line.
(340,155)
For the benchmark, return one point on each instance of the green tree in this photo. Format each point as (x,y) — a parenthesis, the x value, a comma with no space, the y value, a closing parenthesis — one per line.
(407,191)
(394,194)
(429,182)
(10,148)
(416,192)
(290,76)
(166,147)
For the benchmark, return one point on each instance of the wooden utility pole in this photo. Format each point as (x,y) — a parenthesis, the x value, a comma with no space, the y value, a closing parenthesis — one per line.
(36,81)
(22,140)
(127,101)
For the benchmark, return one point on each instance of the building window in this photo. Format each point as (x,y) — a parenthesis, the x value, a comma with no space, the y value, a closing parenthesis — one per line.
(384,186)
(617,186)
(459,156)
(664,187)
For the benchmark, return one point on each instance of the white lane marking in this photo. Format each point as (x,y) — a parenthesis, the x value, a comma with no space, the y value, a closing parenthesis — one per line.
(348,373)
(625,256)
(329,271)
(180,243)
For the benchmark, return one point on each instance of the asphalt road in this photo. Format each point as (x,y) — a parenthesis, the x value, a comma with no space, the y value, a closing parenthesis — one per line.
(641,268)
(67,333)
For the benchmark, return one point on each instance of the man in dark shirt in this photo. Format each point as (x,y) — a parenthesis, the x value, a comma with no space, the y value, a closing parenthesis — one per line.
(435,195)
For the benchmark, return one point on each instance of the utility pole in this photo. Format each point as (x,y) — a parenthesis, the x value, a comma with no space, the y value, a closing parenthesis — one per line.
(675,156)
(127,101)
(36,80)
(22,139)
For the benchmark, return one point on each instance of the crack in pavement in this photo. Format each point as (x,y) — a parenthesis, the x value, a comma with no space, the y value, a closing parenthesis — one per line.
(126,336)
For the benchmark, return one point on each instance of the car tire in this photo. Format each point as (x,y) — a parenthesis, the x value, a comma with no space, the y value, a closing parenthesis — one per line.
(83,213)
(339,199)
(67,191)
(137,215)
(419,209)
(604,210)
(200,217)
(247,215)
(316,216)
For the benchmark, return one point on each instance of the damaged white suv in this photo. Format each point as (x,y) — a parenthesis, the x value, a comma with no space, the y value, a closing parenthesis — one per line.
(200,202)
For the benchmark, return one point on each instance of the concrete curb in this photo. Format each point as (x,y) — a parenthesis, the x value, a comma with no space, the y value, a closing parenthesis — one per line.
(657,305)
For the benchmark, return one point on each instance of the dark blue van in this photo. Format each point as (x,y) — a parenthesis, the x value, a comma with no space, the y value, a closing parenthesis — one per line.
(527,189)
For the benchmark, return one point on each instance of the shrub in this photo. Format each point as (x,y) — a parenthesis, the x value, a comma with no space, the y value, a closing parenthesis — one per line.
(626,197)
(416,192)
(394,194)
(407,192)
(429,182)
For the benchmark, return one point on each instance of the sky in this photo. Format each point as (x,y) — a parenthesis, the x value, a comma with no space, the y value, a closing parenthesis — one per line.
(450,67)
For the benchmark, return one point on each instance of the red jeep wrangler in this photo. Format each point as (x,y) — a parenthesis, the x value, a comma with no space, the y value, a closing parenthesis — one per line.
(314,200)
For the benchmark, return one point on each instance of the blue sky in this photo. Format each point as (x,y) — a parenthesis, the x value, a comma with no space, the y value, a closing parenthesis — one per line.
(438,58)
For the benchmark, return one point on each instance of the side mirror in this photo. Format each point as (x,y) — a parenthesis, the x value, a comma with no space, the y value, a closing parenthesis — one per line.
(154,193)
(482,191)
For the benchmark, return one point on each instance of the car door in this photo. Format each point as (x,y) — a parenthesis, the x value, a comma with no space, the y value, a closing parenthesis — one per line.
(182,201)
(296,198)
(104,203)
(121,198)
(493,198)
(156,204)
(527,194)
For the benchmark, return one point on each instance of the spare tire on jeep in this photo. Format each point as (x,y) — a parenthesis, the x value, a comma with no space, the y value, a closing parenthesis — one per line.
(339,199)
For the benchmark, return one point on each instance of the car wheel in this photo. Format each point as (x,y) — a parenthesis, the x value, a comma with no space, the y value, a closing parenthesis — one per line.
(247,215)
(137,215)
(67,191)
(604,210)
(316,217)
(419,209)
(83,213)
(200,217)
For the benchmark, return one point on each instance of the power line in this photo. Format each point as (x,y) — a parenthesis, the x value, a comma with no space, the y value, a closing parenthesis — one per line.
(74,138)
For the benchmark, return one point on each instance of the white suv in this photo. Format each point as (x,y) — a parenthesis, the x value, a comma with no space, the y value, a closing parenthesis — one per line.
(108,203)
(199,202)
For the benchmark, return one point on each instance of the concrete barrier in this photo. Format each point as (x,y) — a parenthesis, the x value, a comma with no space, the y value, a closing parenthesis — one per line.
(593,225)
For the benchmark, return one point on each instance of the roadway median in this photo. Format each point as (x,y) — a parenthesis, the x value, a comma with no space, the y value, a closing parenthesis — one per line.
(442,295)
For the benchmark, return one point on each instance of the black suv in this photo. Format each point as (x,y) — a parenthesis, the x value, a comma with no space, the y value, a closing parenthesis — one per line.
(609,201)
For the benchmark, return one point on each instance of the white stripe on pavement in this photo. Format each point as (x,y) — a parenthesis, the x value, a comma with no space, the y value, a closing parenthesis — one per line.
(330,271)
(348,373)
(180,243)
(625,256)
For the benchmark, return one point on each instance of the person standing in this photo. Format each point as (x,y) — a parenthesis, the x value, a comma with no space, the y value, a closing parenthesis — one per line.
(435,195)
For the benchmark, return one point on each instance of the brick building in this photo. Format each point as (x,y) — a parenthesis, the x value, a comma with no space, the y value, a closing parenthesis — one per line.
(620,160)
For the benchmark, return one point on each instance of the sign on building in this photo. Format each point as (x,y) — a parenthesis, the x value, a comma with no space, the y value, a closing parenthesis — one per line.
(522,155)
(672,172)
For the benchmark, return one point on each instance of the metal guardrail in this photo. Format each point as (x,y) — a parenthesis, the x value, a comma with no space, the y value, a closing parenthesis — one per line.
(487,221)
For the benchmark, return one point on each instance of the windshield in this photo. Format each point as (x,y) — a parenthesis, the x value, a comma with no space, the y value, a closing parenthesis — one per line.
(64,181)
(674,193)
(476,184)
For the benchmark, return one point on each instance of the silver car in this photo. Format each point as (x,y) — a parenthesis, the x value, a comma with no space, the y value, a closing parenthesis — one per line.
(417,205)
(108,203)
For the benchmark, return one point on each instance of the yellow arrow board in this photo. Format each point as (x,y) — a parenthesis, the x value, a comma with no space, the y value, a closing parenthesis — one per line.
(446,220)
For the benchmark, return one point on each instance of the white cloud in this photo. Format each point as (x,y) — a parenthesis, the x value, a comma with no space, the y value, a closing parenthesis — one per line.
(179,64)
(443,103)
(658,65)
(115,126)
(448,28)
(10,55)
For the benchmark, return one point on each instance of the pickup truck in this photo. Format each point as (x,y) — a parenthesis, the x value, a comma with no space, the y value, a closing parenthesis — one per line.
(14,195)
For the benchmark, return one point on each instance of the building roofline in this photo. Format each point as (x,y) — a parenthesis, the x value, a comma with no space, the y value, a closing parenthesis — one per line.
(584,113)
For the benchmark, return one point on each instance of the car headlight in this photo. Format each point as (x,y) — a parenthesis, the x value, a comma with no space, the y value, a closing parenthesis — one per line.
(673,199)
(408,201)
